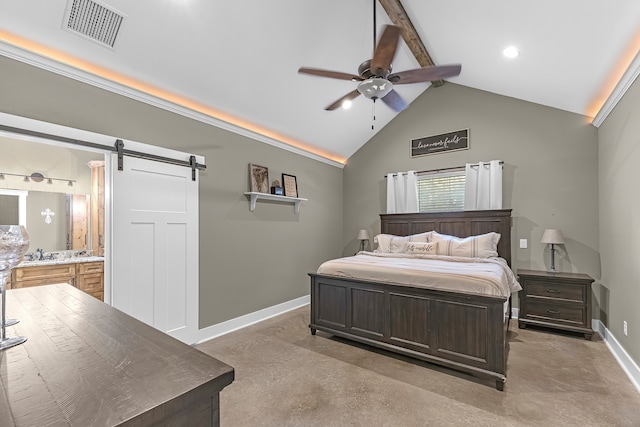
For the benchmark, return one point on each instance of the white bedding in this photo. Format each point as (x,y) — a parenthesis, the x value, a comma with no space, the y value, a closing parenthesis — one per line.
(485,276)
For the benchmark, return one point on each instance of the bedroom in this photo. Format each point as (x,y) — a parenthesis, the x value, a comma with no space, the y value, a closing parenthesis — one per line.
(560,171)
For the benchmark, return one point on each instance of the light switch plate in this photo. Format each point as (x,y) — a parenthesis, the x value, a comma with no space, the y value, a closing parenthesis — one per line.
(523,243)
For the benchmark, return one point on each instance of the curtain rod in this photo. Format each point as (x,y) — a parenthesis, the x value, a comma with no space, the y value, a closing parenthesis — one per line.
(454,168)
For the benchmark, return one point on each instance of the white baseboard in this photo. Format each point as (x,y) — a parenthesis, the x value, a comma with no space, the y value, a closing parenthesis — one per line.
(223,328)
(619,353)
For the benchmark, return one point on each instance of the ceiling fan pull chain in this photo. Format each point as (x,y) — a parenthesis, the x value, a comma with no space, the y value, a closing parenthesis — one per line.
(373,113)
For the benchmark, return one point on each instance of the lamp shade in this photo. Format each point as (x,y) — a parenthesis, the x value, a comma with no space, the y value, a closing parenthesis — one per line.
(363,235)
(552,235)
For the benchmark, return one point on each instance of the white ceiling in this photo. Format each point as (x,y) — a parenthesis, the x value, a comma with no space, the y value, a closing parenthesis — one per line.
(240,58)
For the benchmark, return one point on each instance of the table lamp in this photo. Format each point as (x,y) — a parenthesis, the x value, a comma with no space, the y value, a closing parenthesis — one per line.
(554,237)
(363,236)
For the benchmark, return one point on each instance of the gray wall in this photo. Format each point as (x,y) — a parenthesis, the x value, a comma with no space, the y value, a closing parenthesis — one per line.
(248,260)
(550,169)
(619,157)
(24,158)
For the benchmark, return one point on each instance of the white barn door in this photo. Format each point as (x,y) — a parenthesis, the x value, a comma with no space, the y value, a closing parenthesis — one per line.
(154,250)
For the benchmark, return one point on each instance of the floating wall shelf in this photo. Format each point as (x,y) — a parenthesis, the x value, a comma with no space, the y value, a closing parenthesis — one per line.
(253,197)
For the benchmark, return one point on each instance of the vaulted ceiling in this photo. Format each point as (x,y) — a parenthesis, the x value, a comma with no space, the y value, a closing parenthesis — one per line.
(236,61)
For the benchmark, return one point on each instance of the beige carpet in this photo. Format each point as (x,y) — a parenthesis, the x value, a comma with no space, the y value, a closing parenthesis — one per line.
(287,377)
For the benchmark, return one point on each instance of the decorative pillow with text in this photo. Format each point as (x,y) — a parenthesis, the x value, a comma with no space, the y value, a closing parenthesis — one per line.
(422,248)
(389,243)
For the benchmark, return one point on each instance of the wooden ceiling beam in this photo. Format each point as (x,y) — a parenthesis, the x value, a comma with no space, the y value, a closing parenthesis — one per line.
(399,17)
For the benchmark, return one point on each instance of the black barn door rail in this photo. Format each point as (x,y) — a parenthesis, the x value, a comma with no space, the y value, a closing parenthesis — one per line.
(118,147)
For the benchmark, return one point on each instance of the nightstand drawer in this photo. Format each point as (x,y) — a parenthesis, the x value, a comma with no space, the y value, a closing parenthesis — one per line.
(568,314)
(557,291)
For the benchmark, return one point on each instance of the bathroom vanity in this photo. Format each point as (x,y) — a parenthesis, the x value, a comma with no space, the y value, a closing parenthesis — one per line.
(85,273)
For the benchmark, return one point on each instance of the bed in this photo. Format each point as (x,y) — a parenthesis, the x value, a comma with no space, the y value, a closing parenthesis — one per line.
(462,331)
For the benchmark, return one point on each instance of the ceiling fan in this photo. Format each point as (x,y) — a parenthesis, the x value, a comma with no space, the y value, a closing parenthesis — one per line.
(375,78)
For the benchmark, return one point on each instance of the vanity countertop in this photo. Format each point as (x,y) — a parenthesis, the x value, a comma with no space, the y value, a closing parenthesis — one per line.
(75,260)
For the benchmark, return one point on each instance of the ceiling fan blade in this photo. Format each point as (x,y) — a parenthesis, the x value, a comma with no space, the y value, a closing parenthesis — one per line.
(425,74)
(395,101)
(330,74)
(385,50)
(348,97)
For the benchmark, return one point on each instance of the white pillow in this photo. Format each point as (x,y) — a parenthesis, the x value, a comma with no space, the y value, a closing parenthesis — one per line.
(389,243)
(422,248)
(480,246)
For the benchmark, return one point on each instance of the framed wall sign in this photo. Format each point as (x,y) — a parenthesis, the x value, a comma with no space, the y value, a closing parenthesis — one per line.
(258,178)
(451,141)
(290,185)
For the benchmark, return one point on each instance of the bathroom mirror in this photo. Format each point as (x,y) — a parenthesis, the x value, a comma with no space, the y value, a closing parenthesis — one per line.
(68,223)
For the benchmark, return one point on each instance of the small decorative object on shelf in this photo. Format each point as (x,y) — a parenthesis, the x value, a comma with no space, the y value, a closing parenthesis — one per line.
(258,179)
(276,188)
(14,242)
(290,185)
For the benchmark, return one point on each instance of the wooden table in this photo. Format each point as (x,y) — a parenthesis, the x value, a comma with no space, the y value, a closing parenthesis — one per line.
(88,364)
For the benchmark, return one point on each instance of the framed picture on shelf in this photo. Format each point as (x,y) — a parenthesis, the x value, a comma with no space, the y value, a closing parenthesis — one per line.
(290,185)
(258,178)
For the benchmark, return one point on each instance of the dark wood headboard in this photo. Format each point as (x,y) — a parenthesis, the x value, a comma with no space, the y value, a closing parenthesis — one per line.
(460,224)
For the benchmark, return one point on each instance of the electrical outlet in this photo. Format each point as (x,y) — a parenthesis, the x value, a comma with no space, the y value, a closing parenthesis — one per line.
(624,327)
(523,243)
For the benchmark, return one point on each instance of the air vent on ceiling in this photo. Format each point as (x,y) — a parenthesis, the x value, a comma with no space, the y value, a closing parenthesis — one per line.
(93,20)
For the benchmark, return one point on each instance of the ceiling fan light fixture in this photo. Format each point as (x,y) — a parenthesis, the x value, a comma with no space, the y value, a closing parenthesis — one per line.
(375,88)
(347,104)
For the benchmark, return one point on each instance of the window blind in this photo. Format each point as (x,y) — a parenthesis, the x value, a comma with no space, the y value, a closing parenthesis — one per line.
(441,192)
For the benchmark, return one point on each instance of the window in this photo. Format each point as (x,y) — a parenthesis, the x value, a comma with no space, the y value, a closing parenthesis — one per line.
(441,192)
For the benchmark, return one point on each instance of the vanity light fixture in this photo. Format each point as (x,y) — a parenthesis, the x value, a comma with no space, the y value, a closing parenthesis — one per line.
(38,177)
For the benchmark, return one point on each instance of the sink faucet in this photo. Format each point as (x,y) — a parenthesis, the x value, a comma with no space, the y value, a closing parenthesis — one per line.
(41,252)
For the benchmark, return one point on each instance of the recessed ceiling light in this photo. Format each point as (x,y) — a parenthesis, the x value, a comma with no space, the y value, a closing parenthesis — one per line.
(511,52)
(346,104)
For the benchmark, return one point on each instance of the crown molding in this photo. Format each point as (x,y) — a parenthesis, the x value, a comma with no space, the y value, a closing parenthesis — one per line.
(618,92)
(27,57)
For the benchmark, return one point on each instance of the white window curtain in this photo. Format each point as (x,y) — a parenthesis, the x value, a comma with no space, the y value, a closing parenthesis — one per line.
(402,192)
(483,186)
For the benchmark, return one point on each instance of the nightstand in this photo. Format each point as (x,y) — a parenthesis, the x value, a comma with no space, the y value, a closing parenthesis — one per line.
(555,300)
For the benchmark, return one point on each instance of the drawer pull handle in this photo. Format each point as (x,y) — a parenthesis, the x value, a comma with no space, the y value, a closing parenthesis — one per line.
(553,291)
(553,311)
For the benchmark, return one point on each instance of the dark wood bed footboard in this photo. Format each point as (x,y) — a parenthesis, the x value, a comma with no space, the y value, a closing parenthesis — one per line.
(458,331)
